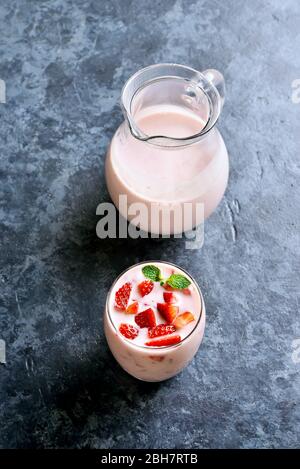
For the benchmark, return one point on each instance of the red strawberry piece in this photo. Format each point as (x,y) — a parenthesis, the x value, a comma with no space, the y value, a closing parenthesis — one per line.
(161,329)
(156,358)
(122,296)
(168,287)
(128,331)
(146,318)
(183,319)
(133,308)
(185,291)
(145,287)
(168,312)
(163,341)
(169,297)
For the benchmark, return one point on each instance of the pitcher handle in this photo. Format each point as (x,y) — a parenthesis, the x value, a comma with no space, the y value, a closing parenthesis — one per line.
(217,79)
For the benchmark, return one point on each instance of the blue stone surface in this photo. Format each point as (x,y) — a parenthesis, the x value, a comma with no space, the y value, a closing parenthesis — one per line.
(64,64)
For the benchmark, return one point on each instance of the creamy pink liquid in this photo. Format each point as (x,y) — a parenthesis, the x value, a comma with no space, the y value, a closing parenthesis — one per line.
(168,176)
(186,302)
(170,121)
(154,363)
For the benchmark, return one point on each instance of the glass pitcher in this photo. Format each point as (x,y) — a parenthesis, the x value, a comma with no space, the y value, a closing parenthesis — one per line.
(167,157)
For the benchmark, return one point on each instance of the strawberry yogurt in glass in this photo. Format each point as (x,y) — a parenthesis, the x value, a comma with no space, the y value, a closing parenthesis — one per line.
(154,320)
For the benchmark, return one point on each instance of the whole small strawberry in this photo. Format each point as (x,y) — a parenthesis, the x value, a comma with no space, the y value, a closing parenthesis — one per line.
(145,287)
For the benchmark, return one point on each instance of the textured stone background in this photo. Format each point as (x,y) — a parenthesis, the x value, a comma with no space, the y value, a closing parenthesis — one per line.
(64,63)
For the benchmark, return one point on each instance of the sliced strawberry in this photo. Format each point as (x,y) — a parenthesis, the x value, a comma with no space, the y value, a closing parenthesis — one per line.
(163,341)
(169,297)
(145,287)
(122,296)
(157,358)
(128,331)
(183,319)
(185,291)
(161,329)
(133,308)
(168,287)
(146,318)
(168,312)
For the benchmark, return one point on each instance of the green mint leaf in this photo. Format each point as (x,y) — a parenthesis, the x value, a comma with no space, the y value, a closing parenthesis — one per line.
(178,281)
(152,272)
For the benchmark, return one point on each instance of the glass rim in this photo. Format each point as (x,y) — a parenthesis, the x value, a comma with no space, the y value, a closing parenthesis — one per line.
(147,347)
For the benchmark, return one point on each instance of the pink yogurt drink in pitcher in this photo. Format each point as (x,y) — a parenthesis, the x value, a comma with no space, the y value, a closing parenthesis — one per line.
(168,152)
